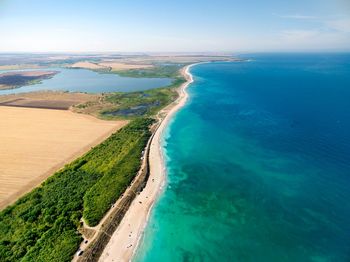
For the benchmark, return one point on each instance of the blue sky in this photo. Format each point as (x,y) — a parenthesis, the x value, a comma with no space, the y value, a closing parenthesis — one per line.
(174,26)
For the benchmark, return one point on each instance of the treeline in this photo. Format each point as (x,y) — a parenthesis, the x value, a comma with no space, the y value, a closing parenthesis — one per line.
(42,225)
(118,173)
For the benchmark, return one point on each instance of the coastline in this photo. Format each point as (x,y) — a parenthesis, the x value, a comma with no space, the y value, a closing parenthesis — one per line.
(125,239)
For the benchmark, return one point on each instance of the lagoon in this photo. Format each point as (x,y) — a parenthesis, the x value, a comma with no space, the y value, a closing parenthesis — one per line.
(83,80)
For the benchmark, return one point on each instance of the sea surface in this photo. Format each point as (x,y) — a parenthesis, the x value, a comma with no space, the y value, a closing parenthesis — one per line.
(84,80)
(258,164)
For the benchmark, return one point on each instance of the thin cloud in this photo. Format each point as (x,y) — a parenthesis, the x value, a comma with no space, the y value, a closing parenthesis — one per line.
(297,16)
(298,35)
(341,25)
(317,39)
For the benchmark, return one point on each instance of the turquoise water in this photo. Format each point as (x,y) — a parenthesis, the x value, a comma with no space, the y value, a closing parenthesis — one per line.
(258,164)
(83,80)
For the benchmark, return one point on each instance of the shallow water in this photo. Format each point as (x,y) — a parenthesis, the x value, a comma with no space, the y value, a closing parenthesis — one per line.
(83,80)
(258,164)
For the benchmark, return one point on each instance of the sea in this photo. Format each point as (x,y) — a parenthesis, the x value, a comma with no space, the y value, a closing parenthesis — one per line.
(258,164)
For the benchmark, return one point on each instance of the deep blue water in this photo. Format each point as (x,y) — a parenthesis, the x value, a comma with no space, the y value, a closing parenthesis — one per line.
(258,164)
(83,80)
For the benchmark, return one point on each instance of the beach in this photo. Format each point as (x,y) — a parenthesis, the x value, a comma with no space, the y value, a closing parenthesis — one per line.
(125,239)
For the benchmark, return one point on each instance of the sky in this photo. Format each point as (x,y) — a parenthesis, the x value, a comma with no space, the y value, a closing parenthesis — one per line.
(174,26)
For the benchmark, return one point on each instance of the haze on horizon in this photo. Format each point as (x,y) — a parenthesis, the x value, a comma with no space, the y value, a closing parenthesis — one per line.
(174,26)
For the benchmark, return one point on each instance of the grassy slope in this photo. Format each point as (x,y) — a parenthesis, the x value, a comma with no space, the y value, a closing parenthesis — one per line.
(42,225)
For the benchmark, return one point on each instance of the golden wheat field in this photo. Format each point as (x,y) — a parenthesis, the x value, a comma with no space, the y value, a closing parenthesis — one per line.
(34,143)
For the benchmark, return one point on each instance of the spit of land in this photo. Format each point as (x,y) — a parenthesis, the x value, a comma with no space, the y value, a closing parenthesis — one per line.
(17,79)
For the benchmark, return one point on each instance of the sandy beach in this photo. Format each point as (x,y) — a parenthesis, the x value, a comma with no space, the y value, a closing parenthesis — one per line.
(125,239)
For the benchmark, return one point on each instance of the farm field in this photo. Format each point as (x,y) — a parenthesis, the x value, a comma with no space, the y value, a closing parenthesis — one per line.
(37,142)
(45,224)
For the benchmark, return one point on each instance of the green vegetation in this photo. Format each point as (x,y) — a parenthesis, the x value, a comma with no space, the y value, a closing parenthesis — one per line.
(158,71)
(11,80)
(131,105)
(42,225)
(136,104)
(123,160)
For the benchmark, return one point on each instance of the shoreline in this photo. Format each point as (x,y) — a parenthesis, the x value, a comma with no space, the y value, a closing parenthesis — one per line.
(125,240)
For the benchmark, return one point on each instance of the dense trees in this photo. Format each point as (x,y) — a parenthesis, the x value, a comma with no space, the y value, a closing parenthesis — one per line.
(119,173)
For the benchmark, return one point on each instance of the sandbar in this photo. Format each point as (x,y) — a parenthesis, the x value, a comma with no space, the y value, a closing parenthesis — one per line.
(125,239)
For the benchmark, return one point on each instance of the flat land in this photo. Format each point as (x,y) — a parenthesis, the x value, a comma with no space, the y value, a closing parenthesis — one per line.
(113,65)
(18,67)
(117,66)
(37,142)
(101,61)
(87,65)
(17,79)
(176,59)
(29,73)
(48,104)
(47,99)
